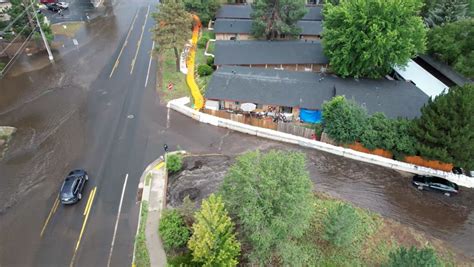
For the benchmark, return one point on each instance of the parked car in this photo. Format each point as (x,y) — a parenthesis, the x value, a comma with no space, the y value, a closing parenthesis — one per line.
(63,5)
(435,183)
(53,7)
(73,186)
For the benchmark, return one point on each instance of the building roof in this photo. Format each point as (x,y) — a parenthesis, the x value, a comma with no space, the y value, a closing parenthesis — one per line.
(269,52)
(245,26)
(310,90)
(445,70)
(244,11)
(421,78)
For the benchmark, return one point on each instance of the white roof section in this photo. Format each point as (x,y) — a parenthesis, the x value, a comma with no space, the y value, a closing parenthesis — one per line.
(427,83)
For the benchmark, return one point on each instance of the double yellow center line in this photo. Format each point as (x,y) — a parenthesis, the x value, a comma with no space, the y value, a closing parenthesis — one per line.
(86,213)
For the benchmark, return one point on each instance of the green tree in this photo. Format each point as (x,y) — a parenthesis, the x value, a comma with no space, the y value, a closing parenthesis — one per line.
(187,209)
(271,196)
(173,27)
(173,230)
(446,11)
(413,257)
(174,163)
(26,23)
(453,44)
(366,38)
(205,9)
(273,18)
(405,141)
(344,121)
(340,225)
(445,130)
(214,242)
(379,133)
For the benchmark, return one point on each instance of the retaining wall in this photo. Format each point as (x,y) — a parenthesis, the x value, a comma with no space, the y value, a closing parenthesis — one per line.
(179,105)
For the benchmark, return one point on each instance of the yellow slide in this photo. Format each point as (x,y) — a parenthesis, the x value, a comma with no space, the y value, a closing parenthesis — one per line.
(195,92)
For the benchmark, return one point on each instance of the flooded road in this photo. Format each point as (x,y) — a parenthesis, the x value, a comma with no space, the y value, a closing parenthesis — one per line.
(378,189)
(59,108)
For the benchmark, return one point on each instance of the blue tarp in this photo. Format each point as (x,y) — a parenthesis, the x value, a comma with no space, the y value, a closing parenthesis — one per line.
(310,115)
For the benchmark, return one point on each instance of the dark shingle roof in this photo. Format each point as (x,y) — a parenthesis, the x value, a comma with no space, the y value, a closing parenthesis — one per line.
(234,12)
(269,52)
(244,11)
(310,90)
(245,26)
(446,70)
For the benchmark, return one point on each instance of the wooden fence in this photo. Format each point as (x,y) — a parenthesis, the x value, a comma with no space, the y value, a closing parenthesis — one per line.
(295,129)
(267,123)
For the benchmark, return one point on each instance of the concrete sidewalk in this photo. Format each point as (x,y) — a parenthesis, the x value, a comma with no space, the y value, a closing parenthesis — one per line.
(156,193)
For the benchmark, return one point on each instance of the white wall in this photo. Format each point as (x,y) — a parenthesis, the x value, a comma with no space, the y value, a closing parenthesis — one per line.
(179,105)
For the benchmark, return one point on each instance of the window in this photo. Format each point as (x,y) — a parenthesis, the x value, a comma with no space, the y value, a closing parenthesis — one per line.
(259,106)
(233,38)
(286,109)
(237,102)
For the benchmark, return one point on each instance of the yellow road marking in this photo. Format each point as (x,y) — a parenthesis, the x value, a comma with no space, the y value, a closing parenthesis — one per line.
(88,202)
(159,165)
(51,212)
(87,211)
(139,41)
(123,46)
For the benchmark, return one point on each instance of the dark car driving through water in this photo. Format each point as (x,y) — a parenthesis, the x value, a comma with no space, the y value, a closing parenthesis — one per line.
(73,186)
(435,183)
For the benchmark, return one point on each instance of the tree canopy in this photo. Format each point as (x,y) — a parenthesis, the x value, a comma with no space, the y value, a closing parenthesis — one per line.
(413,257)
(205,9)
(445,130)
(271,197)
(173,27)
(453,44)
(445,11)
(340,225)
(366,38)
(214,242)
(273,18)
(344,121)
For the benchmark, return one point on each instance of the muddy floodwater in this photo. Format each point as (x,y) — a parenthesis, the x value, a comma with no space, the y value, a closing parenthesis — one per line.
(378,189)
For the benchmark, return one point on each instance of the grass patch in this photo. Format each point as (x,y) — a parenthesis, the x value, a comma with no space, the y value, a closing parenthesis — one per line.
(180,88)
(185,259)
(201,59)
(376,238)
(148,179)
(142,257)
(70,30)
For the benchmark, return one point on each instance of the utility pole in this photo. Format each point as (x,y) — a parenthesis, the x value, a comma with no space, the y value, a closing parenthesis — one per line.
(50,55)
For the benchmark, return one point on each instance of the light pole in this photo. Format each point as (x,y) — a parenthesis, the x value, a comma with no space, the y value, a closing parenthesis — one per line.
(50,55)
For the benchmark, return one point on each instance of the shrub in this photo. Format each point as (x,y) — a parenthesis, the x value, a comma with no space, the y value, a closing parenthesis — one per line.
(174,163)
(210,61)
(340,225)
(413,257)
(2,65)
(202,41)
(405,142)
(204,70)
(344,120)
(173,230)
(379,133)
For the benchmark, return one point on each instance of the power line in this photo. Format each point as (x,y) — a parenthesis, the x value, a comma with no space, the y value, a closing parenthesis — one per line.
(6,28)
(13,59)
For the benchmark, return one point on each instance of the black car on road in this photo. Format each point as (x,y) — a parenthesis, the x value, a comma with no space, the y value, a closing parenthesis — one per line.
(73,185)
(435,183)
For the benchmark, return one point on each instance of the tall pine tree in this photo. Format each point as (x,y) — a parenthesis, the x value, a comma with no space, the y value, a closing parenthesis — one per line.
(213,242)
(446,11)
(445,130)
(272,18)
(173,27)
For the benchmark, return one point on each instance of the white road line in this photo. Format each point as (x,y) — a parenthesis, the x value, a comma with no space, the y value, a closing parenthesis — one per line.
(116,221)
(124,44)
(149,63)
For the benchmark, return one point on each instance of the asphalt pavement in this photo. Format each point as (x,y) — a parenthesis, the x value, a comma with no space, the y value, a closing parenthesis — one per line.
(122,129)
